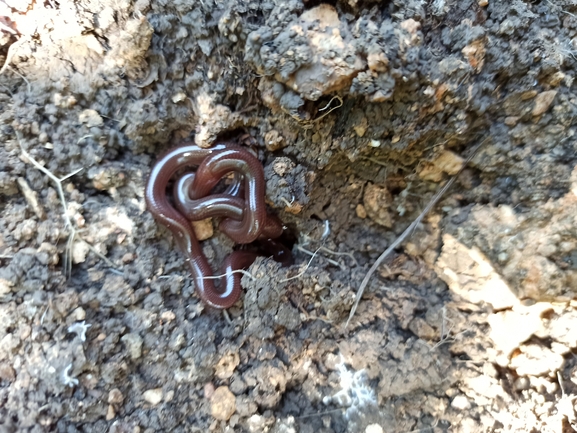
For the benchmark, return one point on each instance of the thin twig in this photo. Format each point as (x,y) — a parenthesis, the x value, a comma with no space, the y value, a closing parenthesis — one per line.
(445,334)
(408,231)
(67,221)
(48,173)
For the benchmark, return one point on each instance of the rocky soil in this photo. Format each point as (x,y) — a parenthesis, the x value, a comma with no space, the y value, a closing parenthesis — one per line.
(361,111)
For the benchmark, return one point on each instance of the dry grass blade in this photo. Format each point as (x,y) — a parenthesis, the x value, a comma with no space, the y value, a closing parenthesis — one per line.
(408,232)
(68,253)
(300,274)
(312,254)
(339,253)
(236,271)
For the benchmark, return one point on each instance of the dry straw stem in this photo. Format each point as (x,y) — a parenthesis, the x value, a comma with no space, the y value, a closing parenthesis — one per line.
(308,124)
(339,253)
(408,231)
(68,223)
(237,271)
(446,336)
(565,405)
(300,274)
(213,277)
(310,253)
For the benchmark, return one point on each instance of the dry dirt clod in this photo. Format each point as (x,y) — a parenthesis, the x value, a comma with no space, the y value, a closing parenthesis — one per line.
(326,59)
(377,200)
(90,118)
(449,162)
(226,366)
(222,403)
(133,344)
(274,141)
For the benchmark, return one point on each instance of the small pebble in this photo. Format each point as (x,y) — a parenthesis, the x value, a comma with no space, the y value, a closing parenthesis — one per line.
(208,390)
(110,413)
(7,372)
(178,97)
(153,396)
(78,314)
(543,101)
(461,402)
(115,396)
(168,316)
(521,384)
(128,258)
(203,229)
